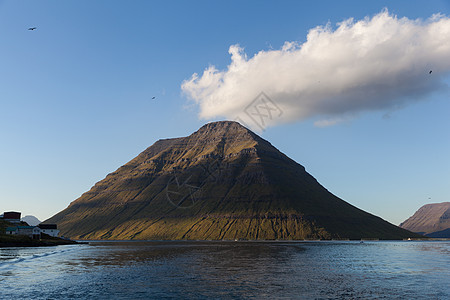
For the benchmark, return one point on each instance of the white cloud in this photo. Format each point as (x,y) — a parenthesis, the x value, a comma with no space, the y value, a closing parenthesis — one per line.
(378,63)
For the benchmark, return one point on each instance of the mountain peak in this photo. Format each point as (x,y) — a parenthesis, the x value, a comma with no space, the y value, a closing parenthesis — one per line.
(221,182)
(31,220)
(229,129)
(221,124)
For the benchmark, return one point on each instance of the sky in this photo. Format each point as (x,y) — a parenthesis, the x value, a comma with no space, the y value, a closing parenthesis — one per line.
(341,87)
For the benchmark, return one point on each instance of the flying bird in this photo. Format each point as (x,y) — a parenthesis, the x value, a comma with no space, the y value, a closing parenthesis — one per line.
(153,97)
(32,28)
(430,72)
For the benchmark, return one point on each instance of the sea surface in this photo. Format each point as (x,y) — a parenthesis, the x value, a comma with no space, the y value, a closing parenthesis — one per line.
(228,270)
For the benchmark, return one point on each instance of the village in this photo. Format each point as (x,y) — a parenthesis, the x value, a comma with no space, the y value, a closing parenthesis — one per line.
(22,228)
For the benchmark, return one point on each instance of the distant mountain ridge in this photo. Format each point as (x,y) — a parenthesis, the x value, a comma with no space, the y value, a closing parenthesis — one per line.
(221,182)
(432,220)
(31,220)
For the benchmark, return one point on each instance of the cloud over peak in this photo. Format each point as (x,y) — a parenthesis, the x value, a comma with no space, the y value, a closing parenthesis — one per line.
(377,63)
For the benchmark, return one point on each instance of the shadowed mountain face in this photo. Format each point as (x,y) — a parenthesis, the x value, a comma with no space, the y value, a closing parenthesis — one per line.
(221,182)
(431,219)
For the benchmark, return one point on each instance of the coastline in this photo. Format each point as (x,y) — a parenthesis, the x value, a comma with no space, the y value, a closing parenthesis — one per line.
(24,241)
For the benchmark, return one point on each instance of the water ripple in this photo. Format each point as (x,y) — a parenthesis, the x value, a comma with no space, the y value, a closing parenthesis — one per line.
(254,270)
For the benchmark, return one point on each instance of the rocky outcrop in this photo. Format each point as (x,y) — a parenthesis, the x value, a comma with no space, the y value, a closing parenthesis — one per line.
(221,182)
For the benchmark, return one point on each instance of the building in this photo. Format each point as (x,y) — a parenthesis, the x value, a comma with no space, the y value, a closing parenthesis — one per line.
(33,232)
(50,229)
(11,230)
(11,216)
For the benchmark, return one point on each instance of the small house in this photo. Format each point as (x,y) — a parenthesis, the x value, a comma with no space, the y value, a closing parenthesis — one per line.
(50,229)
(33,232)
(11,230)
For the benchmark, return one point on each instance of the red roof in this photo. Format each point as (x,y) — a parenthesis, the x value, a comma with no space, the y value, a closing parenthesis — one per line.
(12,215)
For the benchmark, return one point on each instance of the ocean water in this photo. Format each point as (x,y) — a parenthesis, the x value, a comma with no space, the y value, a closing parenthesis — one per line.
(228,270)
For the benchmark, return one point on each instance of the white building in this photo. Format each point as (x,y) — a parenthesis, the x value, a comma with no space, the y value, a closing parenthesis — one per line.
(50,229)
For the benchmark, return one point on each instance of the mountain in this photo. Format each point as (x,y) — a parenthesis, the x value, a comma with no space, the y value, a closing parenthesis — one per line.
(31,220)
(221,182)
(432,220)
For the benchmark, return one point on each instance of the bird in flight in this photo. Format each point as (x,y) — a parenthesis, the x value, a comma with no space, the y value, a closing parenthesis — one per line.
(153,97)
(430,72)
(32,28)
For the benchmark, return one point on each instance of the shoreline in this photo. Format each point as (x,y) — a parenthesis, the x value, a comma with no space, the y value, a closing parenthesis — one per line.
(24,241)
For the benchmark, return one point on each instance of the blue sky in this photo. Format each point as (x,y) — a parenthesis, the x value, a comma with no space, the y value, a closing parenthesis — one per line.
(76,98)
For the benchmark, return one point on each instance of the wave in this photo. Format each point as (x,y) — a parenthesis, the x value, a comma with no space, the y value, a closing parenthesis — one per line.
(8,263)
